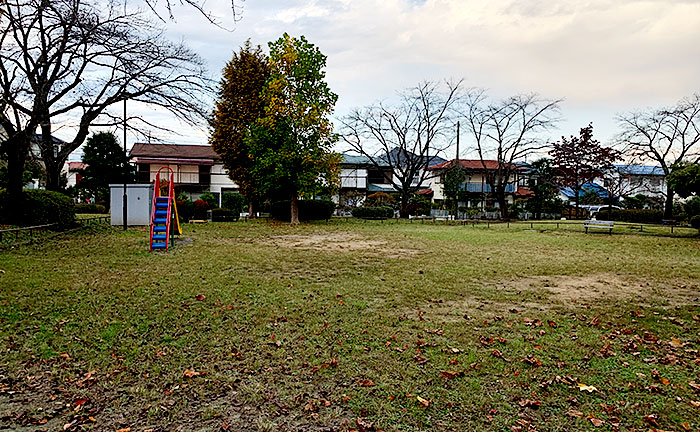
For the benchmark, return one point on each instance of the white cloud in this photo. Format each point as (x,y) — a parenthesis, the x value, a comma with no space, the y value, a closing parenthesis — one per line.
(603,57)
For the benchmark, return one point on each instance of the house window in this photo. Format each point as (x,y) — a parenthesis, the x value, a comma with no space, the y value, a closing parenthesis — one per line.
(204,175)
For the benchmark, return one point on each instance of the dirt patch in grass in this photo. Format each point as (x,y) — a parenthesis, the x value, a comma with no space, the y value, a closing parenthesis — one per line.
(340,242)
(542,293)
(607,286)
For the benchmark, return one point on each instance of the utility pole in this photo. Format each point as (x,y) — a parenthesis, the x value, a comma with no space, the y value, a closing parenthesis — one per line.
(457,155)
(126,167)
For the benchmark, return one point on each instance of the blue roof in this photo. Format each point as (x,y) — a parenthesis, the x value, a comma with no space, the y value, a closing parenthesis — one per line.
(349,159)
(586,187)
(373,187)
(640,170)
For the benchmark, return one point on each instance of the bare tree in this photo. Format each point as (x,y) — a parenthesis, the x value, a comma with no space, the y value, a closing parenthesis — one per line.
(665,136)
(71,60)
(508,131)
(157,6)
(406,137)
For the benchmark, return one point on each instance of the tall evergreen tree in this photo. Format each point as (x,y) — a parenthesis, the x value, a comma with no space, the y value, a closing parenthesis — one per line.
(238,107)
(106,164)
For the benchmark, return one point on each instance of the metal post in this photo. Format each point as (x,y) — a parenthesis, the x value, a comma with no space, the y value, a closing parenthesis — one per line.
(126,164)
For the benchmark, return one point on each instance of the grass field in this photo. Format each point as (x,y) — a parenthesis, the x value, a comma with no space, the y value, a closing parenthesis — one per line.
(352,326)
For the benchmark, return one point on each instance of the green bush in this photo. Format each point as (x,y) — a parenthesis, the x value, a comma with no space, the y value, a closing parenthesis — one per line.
(210,199)
(308,210)
(223,215)
(695,222)
(234,202)
(373,212)
(90,208)
(40,207)
(692,207)
(632,215)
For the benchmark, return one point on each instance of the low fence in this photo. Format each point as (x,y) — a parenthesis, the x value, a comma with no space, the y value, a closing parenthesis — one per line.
(13,237)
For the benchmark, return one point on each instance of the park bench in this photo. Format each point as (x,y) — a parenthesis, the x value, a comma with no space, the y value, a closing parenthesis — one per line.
(600,224)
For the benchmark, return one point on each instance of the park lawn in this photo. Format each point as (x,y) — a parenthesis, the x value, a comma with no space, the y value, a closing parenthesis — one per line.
(352,326)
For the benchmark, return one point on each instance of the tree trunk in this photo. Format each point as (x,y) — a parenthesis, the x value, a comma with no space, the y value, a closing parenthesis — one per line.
(16,159)
(251,209)
(295,210)
(503,204)
(668,206)
(53,175)
(403,209)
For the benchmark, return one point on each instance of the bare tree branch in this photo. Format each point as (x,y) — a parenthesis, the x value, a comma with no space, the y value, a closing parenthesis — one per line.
(407,137)
(77,58)
(507,131)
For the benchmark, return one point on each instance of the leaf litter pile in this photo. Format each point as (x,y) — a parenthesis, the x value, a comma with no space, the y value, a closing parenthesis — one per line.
(253,334)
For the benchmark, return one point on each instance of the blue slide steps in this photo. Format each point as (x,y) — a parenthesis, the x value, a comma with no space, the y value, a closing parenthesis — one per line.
(160,224)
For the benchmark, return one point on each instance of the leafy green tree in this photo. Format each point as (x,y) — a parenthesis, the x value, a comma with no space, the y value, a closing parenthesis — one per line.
(105,163)
(238,107)
(685,180)
(453,185)
(542,182)
(293,141)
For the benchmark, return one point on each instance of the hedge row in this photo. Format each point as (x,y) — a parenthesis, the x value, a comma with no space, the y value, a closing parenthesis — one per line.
(695,222)
(90,208)
(308,210)
(40,207)
(632,215)
(223,215)
(373,212)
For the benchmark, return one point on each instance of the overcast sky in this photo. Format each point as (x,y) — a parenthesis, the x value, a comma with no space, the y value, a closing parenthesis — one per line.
(602,57)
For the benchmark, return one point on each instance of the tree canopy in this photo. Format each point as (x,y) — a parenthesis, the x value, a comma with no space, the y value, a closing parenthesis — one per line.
(685,180)
(581,159)
(105,163)
(238,106)
(292,142)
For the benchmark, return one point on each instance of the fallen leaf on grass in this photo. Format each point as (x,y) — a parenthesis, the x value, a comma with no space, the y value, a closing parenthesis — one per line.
(584,387)
(651,420)
(200,297)
(532,361)
(694,385)
(364,424)
(420,359)
(597,422)
(534,404)
(675,343)
(696,404)
(574,413)
(450,374)
(425,403)
(365,383)
(191,373)
(128,429)
(497,353)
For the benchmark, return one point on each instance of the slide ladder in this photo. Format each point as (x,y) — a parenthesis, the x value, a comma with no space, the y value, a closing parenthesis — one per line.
(163,214)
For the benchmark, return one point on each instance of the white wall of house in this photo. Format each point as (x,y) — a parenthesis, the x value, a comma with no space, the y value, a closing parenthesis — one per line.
(220,181)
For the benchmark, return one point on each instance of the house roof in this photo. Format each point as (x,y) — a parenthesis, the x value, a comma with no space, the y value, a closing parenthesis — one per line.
(373,187)
(350,159)
(632,169)
(173,151)
(399,156)
(471,164)
(586,187)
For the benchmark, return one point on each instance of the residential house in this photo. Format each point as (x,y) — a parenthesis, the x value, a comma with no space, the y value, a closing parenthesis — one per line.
(642,179)
(359,177)
(197,168)
(477,189)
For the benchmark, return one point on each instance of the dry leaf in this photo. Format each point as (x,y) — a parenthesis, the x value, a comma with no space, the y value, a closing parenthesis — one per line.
(676,343)
(574,413)
(365,383)
(450,374)
(191,373)
(597,422)
(200,297)
(584,387)
(128,429)
(425,403)
(364,425)
(534,404)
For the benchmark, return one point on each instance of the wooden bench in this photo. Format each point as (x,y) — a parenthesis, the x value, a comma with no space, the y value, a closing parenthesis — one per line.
(608,225)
